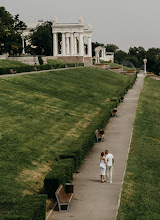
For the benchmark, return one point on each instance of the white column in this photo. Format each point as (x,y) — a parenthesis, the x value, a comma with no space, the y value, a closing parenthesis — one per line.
(89,47)
(67,44)
(72,44)
(81,45)
(55,44)
(63,44)
(75,45)
(23,50)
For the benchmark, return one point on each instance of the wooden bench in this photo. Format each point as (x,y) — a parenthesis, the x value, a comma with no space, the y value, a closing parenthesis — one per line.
(121,99)
(13,71)
(114,112)
(99,137)
(36,69)
(63,199)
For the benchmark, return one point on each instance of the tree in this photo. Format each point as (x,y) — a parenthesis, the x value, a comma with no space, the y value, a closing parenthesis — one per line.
(153,60)
(111,48)
(120,56)
(132,61)
(42,39)
(10,30)
(139,53)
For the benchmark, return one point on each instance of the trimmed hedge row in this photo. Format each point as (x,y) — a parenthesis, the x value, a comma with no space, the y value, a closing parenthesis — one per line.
(28,68)
(36,208)
(61,173)
(71,159)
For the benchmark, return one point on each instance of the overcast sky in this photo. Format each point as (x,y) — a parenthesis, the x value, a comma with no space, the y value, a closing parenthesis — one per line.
(126,23)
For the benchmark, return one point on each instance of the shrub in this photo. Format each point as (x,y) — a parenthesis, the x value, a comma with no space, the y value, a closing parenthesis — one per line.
(74,153)
(60,174)
(40,60)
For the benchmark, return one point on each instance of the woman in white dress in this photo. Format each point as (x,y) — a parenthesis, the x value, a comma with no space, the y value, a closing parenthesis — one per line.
(102,166)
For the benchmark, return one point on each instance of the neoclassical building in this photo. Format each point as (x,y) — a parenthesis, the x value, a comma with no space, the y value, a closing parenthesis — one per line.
(101,54)
(72,42)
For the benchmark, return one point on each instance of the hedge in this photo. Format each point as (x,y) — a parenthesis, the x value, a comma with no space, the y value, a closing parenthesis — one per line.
(64,168)
(78,149)
(61,173)
(28,68)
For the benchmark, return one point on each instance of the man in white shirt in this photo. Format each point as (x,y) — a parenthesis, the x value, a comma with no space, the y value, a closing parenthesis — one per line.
(109,166)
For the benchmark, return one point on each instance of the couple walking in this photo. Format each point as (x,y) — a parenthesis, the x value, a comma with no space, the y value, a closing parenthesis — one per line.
(106,166)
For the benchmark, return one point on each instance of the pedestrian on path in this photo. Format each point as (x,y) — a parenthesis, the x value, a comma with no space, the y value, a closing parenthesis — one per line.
(109,166)
(102,166)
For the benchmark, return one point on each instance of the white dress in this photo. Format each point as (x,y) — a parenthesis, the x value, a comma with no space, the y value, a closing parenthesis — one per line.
(102,167)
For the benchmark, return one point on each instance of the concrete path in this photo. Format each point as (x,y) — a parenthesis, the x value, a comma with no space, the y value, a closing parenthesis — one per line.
(94,200)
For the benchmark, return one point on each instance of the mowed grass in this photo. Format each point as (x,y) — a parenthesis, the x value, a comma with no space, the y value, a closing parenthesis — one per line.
(11,64)
(41,114)
(55,62)
(125,68)
(140,195)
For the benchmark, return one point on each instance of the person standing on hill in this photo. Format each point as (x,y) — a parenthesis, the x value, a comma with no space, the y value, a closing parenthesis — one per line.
(109,166)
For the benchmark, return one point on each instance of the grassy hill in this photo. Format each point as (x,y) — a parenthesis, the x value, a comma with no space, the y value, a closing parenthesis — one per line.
(11,64)
(41,115)
(140,194)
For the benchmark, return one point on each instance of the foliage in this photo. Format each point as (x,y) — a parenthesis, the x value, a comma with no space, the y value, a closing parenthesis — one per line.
(134,58)
(7,65)
(40,60)
(10,30)
(140,192)
(44,117)
(61,173)
(42,39)
(111,48)
(120,56)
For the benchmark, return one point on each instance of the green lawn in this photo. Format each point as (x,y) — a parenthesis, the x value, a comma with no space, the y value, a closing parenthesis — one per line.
(140,194)
(41,114)
(125,68)
(10,64)
(55,62)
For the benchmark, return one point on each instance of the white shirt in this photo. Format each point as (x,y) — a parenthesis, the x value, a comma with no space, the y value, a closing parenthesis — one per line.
(109,158)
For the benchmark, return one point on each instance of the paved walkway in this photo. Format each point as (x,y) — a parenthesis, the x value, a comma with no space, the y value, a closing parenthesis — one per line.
(94,200)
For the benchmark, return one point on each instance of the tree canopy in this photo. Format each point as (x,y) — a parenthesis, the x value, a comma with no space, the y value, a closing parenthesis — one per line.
(10,31)
(42,39)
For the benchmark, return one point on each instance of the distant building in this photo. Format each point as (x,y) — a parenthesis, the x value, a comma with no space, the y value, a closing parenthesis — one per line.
(101,54)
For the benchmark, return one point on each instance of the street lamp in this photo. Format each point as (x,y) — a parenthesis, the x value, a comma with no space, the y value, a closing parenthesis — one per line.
(145,61)
(23,37)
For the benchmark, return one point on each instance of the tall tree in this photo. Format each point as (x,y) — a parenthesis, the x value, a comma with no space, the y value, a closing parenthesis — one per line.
(42,39)
(120,56)
(10,30)
(111,48)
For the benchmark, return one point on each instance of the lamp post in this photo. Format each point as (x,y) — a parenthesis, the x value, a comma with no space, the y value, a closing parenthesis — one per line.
(23,36)
(145,61)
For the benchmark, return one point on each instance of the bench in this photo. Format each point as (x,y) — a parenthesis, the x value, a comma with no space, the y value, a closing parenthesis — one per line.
(36,69)
(99,136)
(114,112)
(13,71)
(63,199)
(121,99)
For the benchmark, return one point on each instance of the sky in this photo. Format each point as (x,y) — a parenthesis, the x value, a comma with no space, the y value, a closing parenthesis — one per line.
(125,23)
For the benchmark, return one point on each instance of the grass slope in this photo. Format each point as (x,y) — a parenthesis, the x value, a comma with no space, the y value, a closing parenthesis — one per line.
(11,64)
(40,114)
(140,194)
